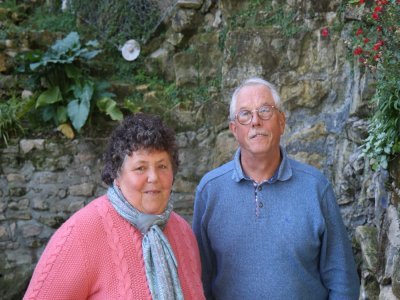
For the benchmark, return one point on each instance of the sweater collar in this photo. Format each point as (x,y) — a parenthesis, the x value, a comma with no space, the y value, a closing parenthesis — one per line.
(283,173)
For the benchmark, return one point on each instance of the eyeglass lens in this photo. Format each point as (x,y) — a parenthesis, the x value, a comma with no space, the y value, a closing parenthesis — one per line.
(245,116)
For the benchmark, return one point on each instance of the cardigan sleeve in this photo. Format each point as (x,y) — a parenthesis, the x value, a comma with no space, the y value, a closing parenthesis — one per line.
(338,271)
(61,272)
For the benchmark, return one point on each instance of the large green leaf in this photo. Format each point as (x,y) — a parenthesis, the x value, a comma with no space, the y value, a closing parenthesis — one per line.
(78,112)
(70,42)
(48,113)
(93,43)
(84,93)
(61,114)
(73,72)
(110,107)
(52,95)
(36,65)
(90,54)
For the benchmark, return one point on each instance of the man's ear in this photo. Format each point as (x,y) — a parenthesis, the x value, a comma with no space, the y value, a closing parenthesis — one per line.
(232,127)
(282,122)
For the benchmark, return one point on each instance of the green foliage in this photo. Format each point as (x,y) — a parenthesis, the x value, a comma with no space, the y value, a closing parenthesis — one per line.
(116,21)
(383,142)
(261,13)
(376,44)
(56,21)
(69,90)
(11,114)
(161,97)
(10,4)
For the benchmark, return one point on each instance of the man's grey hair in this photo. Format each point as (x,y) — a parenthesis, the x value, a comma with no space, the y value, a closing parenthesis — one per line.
(253,81)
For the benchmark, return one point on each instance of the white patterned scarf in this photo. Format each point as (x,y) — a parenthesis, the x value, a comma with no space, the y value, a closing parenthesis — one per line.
(159,259)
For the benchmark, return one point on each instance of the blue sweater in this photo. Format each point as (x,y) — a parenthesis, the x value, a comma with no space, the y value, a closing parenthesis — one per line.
(281,239)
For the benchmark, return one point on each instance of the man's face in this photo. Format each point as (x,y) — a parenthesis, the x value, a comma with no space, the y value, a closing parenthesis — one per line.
(259,137)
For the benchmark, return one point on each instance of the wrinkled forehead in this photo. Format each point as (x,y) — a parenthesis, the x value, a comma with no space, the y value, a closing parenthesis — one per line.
(254,96)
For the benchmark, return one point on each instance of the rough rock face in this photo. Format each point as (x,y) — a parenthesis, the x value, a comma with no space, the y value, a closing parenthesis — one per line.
(325,99)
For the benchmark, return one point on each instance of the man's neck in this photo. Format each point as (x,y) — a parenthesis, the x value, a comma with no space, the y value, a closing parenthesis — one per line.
(260,167)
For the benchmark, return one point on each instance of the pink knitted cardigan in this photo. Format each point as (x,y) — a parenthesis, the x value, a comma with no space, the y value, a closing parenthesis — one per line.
(96,254)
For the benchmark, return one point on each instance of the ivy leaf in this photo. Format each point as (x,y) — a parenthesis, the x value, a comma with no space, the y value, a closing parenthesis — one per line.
(388,149)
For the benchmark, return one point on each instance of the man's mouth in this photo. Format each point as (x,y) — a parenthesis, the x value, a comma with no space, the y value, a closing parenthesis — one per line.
(253,135)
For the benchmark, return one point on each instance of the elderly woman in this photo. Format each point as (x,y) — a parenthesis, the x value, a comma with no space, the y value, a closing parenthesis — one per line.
(127,244)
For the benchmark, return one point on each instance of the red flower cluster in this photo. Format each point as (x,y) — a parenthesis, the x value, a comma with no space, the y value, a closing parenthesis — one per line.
(368,53)
(325,32)
(378,45)
(358,51)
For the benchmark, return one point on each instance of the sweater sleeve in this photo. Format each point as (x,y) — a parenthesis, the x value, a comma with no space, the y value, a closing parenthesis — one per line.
(206,253)
(338,271)
(61,272)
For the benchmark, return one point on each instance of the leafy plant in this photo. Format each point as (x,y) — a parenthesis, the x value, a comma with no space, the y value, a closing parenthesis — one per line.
(261,13)
(56,21)
(69,90)
(117,21)
(11,114)
(160,97)
(376,44)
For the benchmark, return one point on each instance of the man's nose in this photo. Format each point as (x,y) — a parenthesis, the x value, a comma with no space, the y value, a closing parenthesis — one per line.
(255,119)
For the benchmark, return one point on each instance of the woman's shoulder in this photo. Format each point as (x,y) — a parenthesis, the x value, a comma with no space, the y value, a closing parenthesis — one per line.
(85,218)
(176,220)
(180,229)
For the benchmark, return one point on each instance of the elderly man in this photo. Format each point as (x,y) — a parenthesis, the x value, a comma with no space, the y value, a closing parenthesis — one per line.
(269,227)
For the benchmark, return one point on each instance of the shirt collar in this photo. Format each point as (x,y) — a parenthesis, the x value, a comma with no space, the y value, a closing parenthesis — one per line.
(283,173)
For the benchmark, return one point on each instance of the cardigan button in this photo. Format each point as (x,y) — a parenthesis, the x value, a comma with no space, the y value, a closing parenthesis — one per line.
(260,204)
(259,187)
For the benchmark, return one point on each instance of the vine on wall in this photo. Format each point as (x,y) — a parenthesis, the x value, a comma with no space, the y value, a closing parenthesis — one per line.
(376,45)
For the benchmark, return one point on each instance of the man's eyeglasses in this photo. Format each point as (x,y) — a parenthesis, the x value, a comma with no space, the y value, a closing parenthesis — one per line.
(264,112)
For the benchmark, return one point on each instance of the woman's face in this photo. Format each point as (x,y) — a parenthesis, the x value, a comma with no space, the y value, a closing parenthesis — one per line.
(146,179)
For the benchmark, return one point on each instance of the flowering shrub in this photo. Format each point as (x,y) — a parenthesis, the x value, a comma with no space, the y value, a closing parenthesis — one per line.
(376,44)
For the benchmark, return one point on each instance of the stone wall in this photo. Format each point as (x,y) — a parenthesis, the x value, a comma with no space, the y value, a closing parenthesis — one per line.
(325,99)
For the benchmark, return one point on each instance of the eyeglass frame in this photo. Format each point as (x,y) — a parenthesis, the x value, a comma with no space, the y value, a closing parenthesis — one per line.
(273,107)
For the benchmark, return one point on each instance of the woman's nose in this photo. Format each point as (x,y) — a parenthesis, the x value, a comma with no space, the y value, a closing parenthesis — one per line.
(152,175)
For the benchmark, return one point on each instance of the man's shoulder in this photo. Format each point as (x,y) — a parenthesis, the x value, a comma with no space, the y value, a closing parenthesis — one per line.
(217,173)
(306,170)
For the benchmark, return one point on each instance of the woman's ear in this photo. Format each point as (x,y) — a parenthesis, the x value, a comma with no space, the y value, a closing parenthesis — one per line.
(116,182)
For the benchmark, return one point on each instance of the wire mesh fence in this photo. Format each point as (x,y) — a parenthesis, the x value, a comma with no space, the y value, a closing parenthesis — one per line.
(116,21)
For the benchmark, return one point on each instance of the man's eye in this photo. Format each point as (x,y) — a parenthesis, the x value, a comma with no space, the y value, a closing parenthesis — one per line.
(245,113)
(264,109)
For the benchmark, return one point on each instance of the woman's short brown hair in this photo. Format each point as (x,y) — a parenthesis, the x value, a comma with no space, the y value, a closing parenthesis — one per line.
(138,132)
